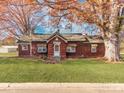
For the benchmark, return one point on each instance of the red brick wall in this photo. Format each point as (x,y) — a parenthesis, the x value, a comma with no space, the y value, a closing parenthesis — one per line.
(23,53)
(84,50)
(62,48)
(78,52)
(34,50)
(87,50)
(50,50)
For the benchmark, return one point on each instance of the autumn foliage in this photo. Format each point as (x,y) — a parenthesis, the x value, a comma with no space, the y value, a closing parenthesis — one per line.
(103,13)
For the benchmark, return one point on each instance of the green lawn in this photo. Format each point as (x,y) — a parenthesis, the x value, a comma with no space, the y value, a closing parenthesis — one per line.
(80,70)
(12,54)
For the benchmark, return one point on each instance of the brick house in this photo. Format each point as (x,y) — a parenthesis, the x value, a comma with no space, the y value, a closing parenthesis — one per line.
(62,46)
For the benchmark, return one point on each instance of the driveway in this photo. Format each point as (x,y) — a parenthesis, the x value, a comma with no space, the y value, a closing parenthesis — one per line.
(61,88)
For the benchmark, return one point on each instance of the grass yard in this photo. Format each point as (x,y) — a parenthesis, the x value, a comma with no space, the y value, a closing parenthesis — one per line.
(12,54)
(78,70)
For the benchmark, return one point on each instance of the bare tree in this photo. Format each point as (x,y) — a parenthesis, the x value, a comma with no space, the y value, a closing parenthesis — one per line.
(20,17)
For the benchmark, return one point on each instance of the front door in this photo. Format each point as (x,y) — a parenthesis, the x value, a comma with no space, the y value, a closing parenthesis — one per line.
(57,50)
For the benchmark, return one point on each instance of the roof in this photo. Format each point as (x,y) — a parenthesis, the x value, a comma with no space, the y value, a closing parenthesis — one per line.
(68,37)
(57,34)
(95,39)
(75,37)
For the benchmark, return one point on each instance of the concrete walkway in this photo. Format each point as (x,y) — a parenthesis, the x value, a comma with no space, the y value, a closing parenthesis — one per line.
(60,88)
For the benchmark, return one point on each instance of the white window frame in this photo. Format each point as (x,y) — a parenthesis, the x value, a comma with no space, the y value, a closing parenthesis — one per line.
(24,47)
(71,49)
(41,48)
(94,48)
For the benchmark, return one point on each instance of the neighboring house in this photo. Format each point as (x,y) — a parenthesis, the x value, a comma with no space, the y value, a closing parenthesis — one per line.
(8,41)
(61,45)
(8,49)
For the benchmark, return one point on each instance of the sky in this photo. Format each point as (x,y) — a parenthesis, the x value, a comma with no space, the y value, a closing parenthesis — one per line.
(82,0)
(84,28)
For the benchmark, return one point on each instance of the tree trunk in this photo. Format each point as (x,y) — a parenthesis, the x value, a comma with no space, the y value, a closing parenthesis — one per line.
(112,49)
(112,41)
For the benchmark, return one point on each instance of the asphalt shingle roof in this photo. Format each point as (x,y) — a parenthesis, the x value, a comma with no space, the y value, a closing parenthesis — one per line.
(68,37)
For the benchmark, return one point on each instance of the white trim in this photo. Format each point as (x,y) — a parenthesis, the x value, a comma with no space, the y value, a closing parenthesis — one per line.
(71,49)
(94,42)
(40,49)
(56,43)
(23,43)
(72,45)
(94,48)
(56,36)
(39,44)
(94,45)
(121,10)
(24,47)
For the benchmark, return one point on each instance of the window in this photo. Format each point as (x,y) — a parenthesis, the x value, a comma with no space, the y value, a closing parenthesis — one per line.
(24,47)
(93,48)
(71,49)
(56,47)
(41,49)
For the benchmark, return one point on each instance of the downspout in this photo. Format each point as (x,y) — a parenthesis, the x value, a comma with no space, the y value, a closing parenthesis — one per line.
(30,43)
